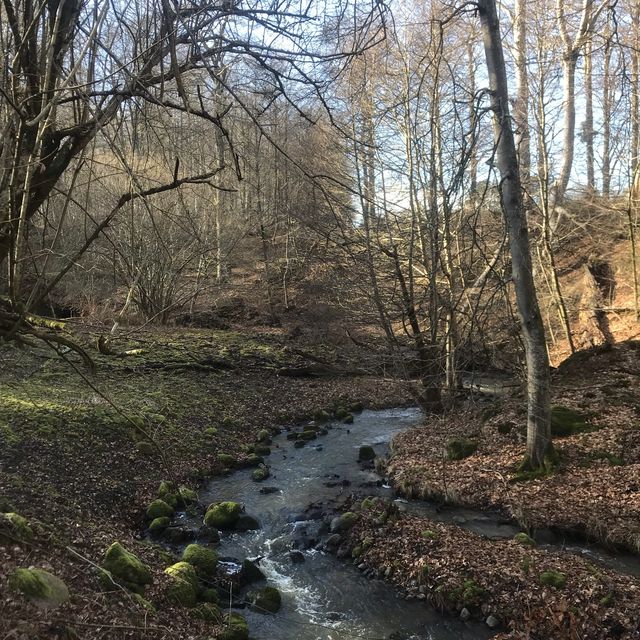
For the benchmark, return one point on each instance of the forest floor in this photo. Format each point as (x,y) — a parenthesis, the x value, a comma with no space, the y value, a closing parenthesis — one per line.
(592,493)
(83,454)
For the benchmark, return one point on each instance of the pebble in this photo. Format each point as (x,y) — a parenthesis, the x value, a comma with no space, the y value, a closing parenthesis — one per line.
(492,622)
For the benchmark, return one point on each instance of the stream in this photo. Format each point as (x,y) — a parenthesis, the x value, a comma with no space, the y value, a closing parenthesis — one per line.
(325,598)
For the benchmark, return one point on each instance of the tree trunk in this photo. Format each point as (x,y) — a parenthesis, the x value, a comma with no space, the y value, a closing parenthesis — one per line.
(587,132)
(538,418)
(521,110)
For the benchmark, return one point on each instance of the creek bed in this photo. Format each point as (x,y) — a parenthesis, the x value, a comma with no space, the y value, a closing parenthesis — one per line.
(325,598)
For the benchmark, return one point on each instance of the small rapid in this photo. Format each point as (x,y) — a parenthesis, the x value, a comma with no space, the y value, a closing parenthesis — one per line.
(324,598)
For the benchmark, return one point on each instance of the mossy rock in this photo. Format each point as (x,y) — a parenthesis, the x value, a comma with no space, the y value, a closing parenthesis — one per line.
(126,568)
(366,453)
(348,419)
(340,413)
(228,460)
(266,600)
(14,528)
(308,434)
(460,448)
(321,416)
(210,432)
(172,499)
(223,515)
(555,579)
(263,435)
(209,612)
(184,584)
(166,487)
(159,509)
(371,502)
(566,422)
(343,522)
(235,627)
(260,474)
(356,407)
(254,460)
(524,539)
(262,450)
(158,525)
(204,560)
(40,587)
(187,495)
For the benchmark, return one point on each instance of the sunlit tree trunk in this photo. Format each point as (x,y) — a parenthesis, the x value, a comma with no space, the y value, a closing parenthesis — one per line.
(538,375)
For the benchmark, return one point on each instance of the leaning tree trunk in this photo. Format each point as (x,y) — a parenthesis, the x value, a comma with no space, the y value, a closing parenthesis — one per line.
(538,418)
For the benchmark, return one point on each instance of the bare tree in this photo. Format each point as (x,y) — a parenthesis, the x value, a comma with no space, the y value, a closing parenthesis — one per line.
(538,414)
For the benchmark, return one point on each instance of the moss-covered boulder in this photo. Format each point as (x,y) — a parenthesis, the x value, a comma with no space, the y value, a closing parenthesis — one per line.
(266,600)
(460,448)
(340,413)
(235,627)
(40,587)
(158,525)
(308,434)
(183,587)
(223,515)
(126,568)
(523,539)
(159,509)
(228,460)
(566,422)
(165,488)
(188,496)
(260,474)
(204,560)
(356,407)
(208,611)
(553,579)
(366,453)
(254,460)
(14,528)
(343,522)
(263,435)
(348,419)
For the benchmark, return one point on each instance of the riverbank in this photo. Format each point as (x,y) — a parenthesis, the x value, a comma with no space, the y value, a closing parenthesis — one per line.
(83,455)
(592,491)
(471,458)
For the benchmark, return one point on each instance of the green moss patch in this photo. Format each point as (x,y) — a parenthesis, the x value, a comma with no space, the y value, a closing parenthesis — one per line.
(460,448)
(39,586)
(183,588)
(126,568)
(204,560)
(553,579)
(266,600)
(567,422)
(223,515)
(235,627)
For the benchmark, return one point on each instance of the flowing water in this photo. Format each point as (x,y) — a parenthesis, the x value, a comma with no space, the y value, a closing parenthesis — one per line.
(325,598)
